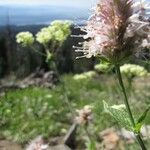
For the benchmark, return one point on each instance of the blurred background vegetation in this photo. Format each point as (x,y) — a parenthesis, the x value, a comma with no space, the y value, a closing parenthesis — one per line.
(29,110)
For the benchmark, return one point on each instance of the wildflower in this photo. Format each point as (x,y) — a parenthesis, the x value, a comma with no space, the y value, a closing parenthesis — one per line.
(79,77)
(84,115)
(103,67)
(62,30)
(139,26)
(57,31)
(131,70)
(113,31)
(44,36)
(106,29)
(86,75)
(25,38)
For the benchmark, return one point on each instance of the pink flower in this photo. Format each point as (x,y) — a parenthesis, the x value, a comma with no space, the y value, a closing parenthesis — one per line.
(112,30)
(84,115)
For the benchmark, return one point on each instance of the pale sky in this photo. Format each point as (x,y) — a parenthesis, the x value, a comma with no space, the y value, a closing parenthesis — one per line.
(49,2)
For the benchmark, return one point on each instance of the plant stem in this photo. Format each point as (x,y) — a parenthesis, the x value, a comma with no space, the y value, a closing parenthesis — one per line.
(125,95)
(40,53)
(138,137)
(88,134)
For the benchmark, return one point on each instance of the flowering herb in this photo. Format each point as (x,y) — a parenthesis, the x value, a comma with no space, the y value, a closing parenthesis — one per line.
(51,38)
(116,30)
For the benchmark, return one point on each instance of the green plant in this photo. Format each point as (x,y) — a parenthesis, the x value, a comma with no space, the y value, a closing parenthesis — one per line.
(19,123)
(27,113)
(51,38)
(114,34)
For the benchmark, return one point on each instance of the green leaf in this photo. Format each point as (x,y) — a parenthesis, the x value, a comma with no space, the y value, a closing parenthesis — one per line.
(139,123)
(119,113)
(143,116)
(103,60)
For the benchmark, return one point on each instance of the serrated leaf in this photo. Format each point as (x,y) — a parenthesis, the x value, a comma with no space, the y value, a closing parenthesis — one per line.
(119,113)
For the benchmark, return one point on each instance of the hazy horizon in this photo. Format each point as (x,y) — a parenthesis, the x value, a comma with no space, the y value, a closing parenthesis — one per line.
(76,3)
(29,12)
(32,12)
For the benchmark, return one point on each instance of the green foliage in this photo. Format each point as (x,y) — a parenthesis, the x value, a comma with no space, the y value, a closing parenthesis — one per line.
(120,114)
(30,112)
(25,38)
(51,38)
(36,111)
(140,121)
(27,113)
(143,116)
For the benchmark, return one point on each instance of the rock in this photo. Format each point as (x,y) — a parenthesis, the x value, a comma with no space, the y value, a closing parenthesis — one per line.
(59,147)
(7,145)
(55,140)
(37,144)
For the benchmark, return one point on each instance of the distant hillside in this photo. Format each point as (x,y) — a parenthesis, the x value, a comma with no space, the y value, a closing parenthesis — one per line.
(23,15)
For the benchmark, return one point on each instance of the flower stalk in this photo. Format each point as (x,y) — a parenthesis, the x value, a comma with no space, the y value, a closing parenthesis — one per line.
(138,137)
(116,31)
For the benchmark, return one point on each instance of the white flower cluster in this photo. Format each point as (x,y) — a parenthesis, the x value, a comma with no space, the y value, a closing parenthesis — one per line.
(102,67)
(86,75)
(25,38)
(57,31)
(45,35)
(131,70)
